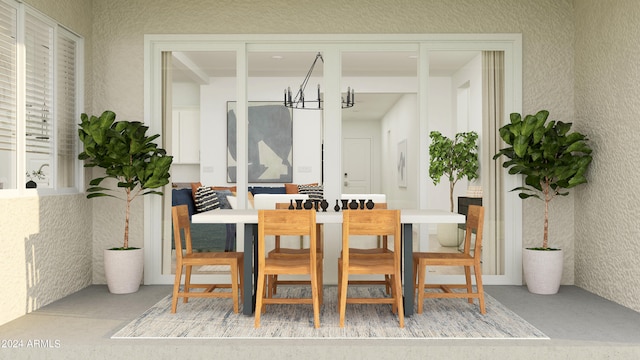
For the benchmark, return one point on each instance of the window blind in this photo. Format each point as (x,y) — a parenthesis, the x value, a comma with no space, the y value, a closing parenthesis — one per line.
(39,85)
(66,69)
(8,45)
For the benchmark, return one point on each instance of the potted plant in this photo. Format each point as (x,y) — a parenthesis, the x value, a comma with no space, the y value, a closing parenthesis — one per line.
(35,174)
(456,159)
(131,158)
(552,160)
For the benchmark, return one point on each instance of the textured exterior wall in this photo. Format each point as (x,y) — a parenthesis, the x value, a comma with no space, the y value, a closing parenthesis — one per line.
(607,107)
(46,251)
(46,241)
(546,25)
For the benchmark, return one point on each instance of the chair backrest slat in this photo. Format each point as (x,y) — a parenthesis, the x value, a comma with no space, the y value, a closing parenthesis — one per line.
(475,225)
(181,225)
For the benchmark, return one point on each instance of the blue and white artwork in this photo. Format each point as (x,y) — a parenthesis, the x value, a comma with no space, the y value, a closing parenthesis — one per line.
(270,143)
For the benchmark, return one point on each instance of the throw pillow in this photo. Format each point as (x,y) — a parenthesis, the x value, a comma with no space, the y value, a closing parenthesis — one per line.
(183,197)
(194,188)
(315,192)
(291,188)
(222,198)
(206,199)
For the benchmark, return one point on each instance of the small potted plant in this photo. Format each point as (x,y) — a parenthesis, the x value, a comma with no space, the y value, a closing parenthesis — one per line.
(456,159)
(552,160)
(131,158)
(35,174)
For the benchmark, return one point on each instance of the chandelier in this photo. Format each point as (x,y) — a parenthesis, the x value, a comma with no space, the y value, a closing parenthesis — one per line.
(299,102)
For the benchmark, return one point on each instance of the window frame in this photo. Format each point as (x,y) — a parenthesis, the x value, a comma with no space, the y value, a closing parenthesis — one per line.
(75,183)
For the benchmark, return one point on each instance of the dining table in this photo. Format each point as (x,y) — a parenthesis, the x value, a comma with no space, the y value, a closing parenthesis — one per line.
(249,218)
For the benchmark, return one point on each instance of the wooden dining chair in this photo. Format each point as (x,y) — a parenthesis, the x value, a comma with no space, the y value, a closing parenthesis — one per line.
(273,281)
(475,220)
(185,257)
(382,247)
(287,222)
(375,222)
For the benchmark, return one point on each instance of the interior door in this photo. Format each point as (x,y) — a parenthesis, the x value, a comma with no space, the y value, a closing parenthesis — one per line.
(356,166)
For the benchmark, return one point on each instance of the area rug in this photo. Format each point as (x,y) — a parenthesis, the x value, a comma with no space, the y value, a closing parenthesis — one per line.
(441,319)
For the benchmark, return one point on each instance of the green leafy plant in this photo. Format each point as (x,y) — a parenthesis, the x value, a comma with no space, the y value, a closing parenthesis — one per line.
(550,157)
(455,158)
(127,154)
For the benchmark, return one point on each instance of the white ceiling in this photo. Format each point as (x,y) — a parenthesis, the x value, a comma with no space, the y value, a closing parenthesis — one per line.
(189,66)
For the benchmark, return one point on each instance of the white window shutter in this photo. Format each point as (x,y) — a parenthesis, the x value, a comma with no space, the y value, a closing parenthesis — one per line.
(66,83)
(39,85)
(7,77)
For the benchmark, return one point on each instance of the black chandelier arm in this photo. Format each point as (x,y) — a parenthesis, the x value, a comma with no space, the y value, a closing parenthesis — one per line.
(299,102)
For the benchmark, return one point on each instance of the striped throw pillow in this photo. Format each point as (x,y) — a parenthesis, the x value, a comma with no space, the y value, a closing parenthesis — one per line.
(206,199)
(315,192)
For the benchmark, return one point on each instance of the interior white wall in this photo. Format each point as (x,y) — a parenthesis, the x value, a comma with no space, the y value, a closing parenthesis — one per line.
(397,125)
(440,113)
(469,75)
(307,129)
(184,95)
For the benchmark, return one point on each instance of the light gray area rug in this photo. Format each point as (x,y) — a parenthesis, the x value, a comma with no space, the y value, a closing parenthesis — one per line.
(441,319)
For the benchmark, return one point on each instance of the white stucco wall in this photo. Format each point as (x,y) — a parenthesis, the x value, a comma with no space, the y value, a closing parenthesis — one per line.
(607,107)
(46,241)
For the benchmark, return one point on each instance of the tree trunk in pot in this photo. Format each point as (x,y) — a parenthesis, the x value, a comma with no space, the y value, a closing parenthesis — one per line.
(123,270)
(542,270)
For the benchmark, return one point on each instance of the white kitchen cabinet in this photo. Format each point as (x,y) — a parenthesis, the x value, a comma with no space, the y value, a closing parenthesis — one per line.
(186,136)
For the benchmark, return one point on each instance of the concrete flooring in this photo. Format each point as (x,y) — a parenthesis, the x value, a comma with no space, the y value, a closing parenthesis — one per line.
(580,326)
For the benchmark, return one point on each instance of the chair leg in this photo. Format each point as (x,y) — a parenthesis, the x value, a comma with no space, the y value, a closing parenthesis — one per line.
(397,294)
(259,296)
(387,284)
(467,276)
(339,283)
(478,271)
(415,276)
(187,283)
(234,286)
(271,285)
(316,300)
(343,293)
(422,269)
(320,282)
(176,288)
(241,278)
(394,308)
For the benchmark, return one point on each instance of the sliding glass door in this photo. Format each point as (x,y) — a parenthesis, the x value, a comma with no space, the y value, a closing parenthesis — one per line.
(261,72)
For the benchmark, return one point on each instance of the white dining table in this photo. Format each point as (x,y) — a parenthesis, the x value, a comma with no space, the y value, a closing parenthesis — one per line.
(249,218)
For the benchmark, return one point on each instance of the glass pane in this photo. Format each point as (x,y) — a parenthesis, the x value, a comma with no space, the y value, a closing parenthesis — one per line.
(197,86)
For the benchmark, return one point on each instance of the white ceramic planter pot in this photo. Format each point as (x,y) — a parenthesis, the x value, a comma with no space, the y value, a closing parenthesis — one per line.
(542,270)
(448,235)
(123,270)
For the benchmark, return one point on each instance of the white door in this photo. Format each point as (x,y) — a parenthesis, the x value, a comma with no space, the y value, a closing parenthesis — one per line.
(356,165)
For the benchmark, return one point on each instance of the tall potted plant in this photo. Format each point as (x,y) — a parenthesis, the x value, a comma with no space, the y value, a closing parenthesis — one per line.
(456,159)
(131,158)
(552,160)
